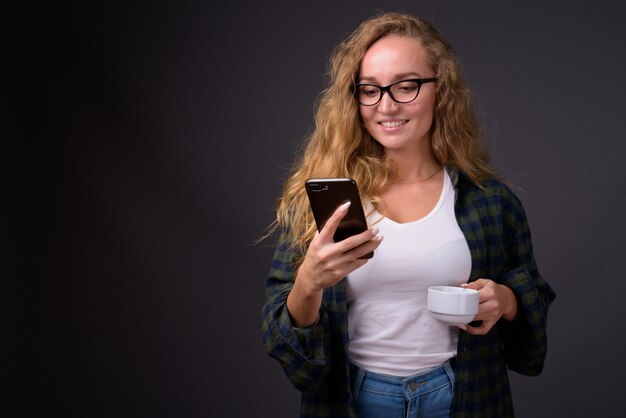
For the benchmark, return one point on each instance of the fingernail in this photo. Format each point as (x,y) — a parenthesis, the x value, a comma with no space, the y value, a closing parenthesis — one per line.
(463,327)
(375,231)
(345,206)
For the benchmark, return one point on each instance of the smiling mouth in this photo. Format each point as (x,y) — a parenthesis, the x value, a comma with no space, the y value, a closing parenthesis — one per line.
(393,124)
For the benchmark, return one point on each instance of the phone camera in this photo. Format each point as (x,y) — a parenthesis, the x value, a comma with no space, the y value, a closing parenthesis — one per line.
(317,187)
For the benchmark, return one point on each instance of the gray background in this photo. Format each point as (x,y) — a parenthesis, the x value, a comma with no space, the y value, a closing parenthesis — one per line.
(153,141)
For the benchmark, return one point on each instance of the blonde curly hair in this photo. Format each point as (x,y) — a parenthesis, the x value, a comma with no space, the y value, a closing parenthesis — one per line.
(340,146)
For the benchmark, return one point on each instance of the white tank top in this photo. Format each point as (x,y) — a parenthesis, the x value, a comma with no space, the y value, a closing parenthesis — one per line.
(390,329)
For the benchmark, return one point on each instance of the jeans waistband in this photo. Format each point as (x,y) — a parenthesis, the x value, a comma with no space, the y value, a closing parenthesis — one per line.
(357,373)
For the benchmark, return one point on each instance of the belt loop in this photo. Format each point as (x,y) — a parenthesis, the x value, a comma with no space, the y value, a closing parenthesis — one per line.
(356,376)
(448,366)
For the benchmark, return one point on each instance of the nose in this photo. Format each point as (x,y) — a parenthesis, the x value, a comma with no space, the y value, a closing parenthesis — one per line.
(387,104)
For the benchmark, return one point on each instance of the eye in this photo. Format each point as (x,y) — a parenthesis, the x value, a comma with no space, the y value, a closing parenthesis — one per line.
(406,87)
(369,91)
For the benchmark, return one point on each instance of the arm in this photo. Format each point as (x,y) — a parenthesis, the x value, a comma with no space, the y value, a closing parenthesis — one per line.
(304,354)
(516,299)
(525,338)
(296,324)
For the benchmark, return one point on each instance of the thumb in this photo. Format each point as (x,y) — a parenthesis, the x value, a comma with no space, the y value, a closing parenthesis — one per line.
(329,228)
(476,284)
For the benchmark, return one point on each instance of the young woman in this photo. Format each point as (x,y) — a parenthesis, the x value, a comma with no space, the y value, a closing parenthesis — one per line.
(354,335)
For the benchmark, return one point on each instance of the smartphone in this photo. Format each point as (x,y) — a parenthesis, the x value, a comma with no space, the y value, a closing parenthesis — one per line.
(326,195)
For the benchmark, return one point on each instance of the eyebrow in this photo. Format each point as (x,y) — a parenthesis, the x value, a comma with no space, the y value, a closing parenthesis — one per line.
(397,77)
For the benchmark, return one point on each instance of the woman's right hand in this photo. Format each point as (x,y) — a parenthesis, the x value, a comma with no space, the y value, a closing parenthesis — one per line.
(326,263)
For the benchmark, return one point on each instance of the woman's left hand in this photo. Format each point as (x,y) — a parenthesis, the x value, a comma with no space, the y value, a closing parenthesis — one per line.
(495,301)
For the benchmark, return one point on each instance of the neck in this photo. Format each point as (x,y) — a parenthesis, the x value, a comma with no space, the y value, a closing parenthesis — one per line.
(414,167)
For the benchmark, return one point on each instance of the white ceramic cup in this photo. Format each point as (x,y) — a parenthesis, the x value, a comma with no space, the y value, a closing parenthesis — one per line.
(452,300)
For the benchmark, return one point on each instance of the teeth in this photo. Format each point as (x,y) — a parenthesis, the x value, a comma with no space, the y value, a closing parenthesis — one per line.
(391,124)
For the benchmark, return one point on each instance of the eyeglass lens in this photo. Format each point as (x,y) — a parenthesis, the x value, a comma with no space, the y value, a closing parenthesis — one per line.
(402,92)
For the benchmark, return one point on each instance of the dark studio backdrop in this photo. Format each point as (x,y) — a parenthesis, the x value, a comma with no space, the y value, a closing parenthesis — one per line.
(153,141)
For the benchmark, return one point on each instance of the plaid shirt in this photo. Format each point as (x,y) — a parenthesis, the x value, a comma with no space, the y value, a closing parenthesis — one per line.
(495,227)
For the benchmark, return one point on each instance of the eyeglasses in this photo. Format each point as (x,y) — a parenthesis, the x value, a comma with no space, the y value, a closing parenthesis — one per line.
(403,91)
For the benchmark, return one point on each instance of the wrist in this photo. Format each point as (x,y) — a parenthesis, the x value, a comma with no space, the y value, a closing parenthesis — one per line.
(303,303)
(510,307)
(304,285)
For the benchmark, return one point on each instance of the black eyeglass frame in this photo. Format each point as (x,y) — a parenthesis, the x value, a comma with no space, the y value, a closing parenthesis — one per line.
(387,89)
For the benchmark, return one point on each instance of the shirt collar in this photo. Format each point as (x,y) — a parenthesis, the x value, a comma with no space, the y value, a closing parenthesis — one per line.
(453,172)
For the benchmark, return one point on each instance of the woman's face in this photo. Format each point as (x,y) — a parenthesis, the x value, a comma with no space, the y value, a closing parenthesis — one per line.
(398,126)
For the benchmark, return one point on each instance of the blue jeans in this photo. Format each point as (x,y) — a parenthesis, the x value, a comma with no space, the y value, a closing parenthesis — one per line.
(427,394)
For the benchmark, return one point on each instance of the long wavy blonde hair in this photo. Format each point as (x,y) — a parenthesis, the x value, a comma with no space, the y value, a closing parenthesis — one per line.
(340,146)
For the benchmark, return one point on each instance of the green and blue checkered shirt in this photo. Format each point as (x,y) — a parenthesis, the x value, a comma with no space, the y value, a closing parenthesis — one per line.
(495,227)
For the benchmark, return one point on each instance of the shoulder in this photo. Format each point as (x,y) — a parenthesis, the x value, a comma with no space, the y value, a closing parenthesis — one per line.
(492,199)
(492,188)
(497,189)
